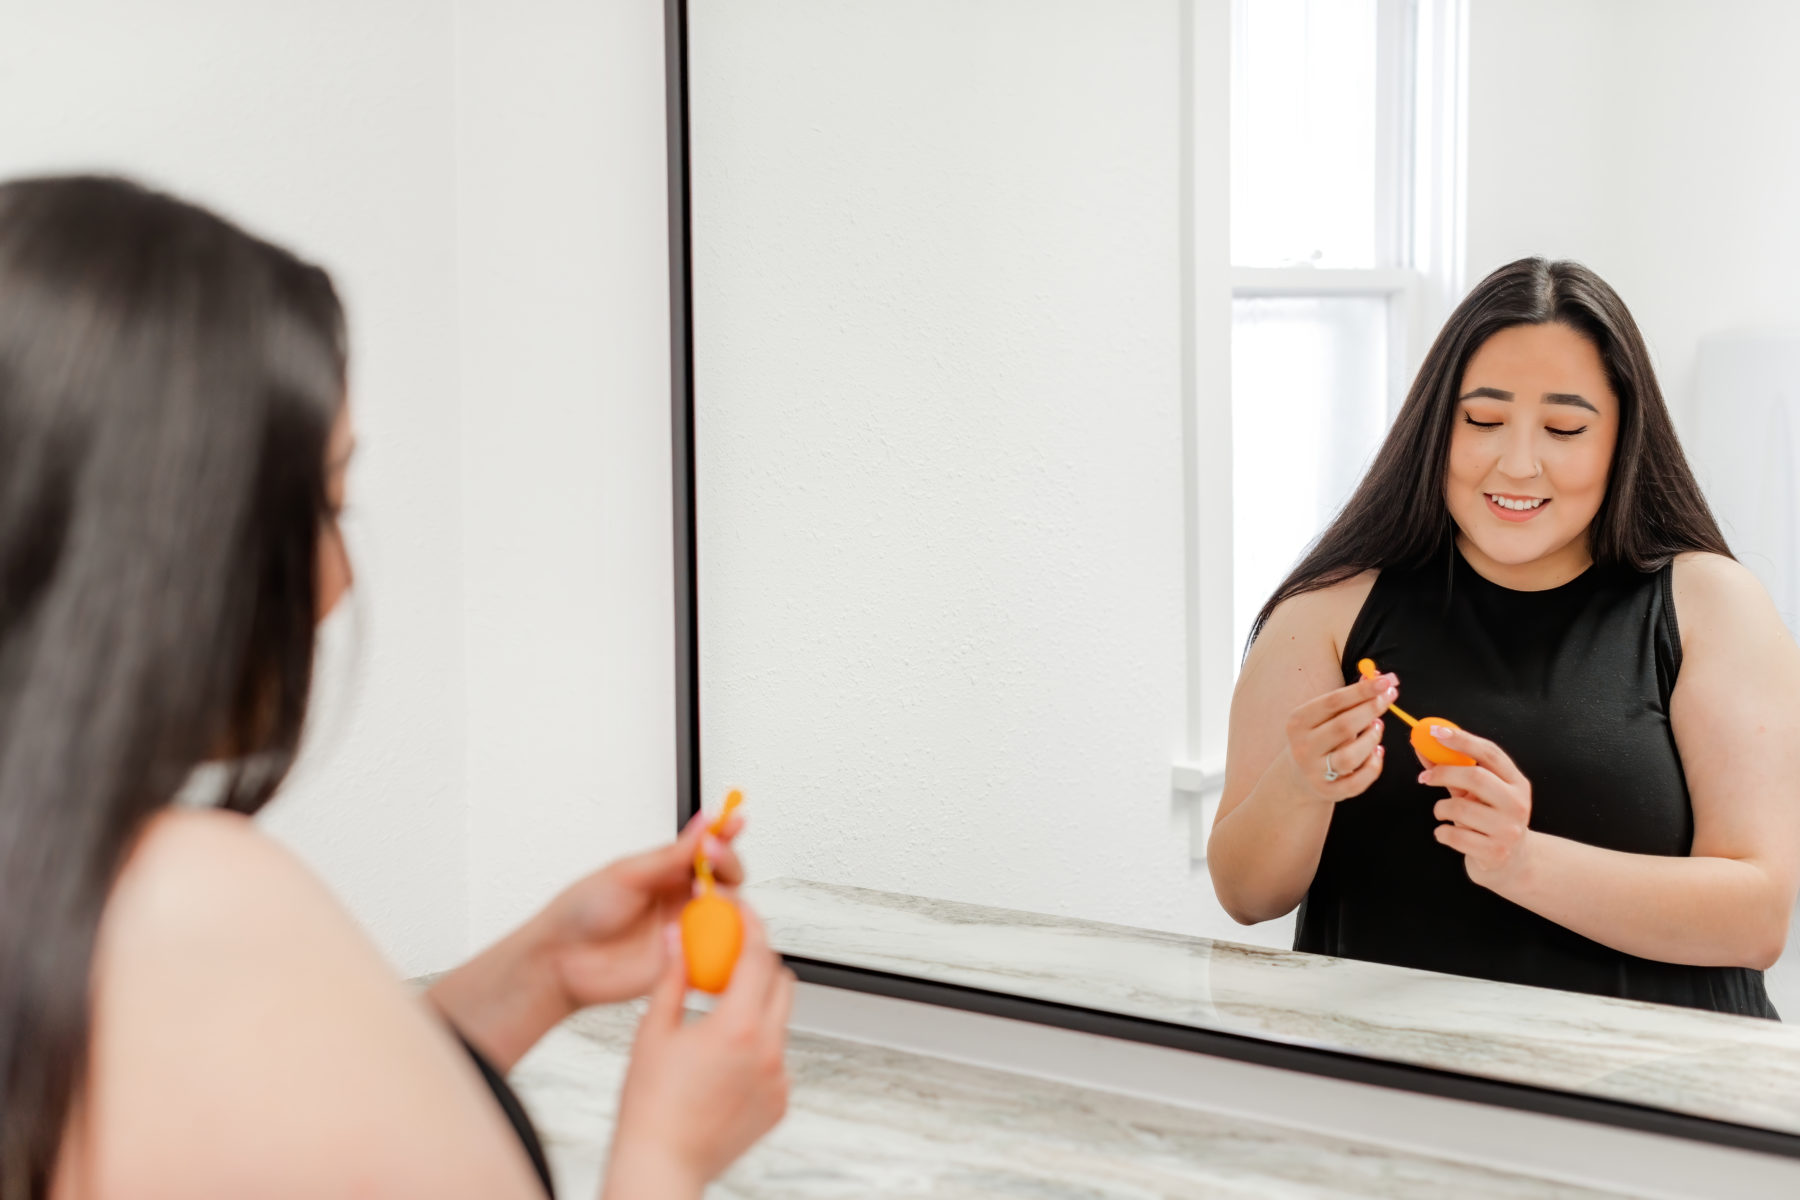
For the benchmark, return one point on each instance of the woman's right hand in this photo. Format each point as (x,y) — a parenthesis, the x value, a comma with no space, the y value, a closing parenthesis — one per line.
(1339,734)
(698,1094)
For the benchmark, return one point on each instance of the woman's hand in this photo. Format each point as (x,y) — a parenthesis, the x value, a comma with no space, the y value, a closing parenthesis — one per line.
(1487,816)
(699,1094)
(598,942)
(1334,741)
(604,933)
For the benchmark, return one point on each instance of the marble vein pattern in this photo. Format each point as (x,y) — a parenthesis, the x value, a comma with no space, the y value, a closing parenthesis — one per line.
(871,1123)
(1728,1068)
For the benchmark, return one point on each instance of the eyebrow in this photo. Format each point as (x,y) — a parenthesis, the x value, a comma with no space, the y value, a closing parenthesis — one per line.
(1568,398)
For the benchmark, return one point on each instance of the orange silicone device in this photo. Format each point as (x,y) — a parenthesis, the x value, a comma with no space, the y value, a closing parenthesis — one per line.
(1429,748)
(712,929)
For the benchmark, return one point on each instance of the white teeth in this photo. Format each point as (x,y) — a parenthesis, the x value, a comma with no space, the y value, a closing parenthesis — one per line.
(1516,505)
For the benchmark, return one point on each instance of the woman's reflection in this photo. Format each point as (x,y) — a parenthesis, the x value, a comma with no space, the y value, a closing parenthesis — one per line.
(1517,558)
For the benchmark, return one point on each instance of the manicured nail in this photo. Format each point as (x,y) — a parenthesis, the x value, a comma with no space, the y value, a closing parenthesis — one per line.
(1393,694)
(1440,731)
(1375,724)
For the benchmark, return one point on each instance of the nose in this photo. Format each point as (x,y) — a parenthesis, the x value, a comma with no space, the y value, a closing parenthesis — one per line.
(1517,460)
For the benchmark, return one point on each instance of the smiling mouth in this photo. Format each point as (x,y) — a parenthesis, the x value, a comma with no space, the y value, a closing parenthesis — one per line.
(1513,509)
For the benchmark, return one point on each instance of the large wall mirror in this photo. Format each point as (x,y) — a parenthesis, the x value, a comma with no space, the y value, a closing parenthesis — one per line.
(1024,349)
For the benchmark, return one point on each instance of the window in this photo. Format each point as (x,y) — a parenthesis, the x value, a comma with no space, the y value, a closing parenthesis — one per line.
(1345,128)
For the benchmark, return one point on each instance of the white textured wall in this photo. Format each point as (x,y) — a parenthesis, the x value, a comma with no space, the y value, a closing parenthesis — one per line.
(939,329)
(567,521)
(1652,139)
(486,183)
(326,126)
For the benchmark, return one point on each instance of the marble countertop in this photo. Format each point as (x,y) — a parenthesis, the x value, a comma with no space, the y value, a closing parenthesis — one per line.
(870,1123)
(1727,1068)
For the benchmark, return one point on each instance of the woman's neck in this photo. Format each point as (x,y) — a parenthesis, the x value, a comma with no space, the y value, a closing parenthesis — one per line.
(1539,575)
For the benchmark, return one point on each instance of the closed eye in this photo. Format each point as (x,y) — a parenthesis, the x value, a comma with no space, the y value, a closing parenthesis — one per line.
(1564,433)
(1482,424)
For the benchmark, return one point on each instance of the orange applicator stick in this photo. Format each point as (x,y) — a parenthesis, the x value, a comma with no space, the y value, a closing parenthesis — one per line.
(702,868)
(712,929)
(1429,748)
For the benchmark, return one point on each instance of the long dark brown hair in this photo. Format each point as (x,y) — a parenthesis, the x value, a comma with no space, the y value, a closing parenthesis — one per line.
(1397,517)
(168,385)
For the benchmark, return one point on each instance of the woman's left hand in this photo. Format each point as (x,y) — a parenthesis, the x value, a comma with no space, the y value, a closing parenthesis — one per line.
(604,933)
(1487,816)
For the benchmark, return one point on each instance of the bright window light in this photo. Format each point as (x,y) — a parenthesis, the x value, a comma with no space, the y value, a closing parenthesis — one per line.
(1309,408)
(1304,134)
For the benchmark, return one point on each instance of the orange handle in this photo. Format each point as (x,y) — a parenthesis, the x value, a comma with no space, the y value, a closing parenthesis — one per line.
(1367,667)
(733,798)
(702,867)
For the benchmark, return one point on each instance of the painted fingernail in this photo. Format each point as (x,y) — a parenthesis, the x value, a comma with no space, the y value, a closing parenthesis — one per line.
(1374,725)
(1441,731)
(1393,694)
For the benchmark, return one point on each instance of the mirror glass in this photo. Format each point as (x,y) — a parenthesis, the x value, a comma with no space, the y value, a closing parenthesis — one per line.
(1037,345)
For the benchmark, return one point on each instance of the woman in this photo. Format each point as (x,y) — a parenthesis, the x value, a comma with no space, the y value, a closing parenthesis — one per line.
(1530,557)
(184,1011)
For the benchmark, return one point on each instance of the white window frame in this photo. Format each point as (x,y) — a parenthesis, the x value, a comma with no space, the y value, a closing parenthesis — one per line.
(1421,51)
(1422,57)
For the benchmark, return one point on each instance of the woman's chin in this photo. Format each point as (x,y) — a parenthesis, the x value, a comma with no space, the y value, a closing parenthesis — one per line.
(1514,546)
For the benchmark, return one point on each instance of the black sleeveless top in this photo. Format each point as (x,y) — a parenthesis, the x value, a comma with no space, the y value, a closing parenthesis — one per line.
(515,1114)
(1574,684)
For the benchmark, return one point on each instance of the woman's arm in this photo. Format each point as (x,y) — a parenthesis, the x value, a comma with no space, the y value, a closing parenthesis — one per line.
(1275,811)
(1736,718)
(507,997)
(1711,911)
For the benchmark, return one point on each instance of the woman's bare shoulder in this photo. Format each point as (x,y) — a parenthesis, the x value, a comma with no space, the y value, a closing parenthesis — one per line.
(1708,580)
(1720,604)
(1319,619)
(205,873)
(247,1039)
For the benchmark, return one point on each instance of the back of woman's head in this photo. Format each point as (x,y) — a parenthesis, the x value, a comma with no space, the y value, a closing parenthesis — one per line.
(168,385)
(1398,516)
